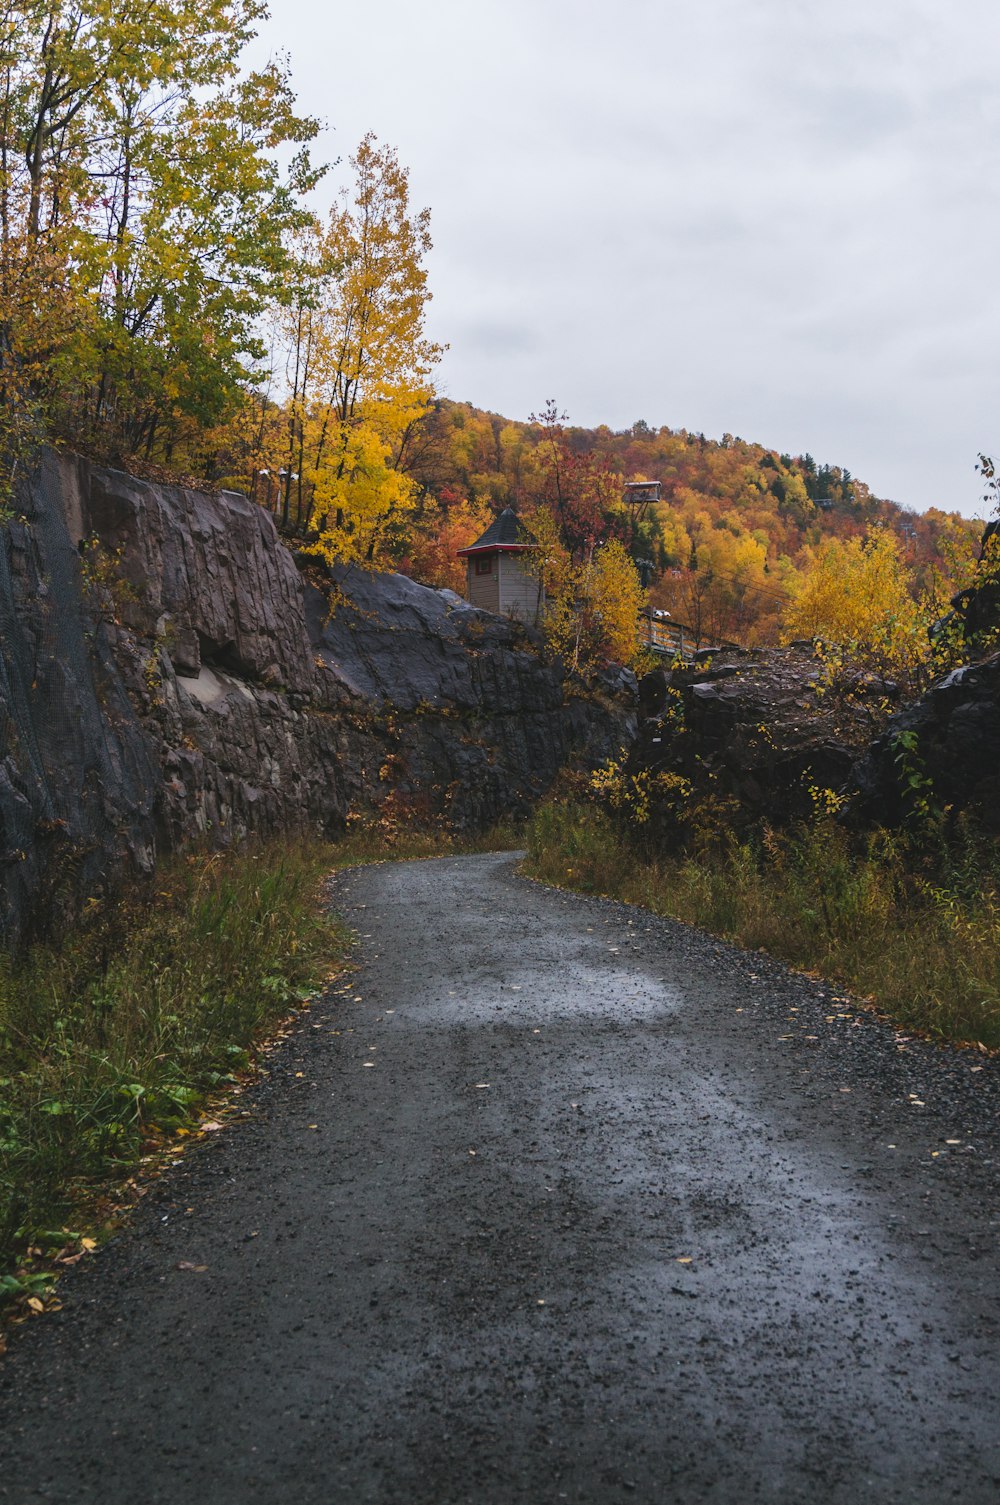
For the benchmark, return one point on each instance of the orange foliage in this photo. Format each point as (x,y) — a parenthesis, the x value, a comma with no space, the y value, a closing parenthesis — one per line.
(737,532)
(432,548)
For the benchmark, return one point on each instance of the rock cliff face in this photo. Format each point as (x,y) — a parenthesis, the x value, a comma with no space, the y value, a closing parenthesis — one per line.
(759,729)
(167,671)
(754,727)
(955,751)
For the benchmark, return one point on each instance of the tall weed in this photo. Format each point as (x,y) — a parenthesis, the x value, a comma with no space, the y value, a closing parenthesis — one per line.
(122,1030)
(912,923)
(131,1020)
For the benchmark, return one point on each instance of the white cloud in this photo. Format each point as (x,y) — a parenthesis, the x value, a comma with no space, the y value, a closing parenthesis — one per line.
(772,219)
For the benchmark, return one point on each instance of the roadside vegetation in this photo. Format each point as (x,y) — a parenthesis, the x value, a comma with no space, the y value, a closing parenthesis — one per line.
(910,920)
(117,1040)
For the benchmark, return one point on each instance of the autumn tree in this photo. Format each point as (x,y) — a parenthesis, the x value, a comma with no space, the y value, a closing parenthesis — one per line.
(592,605)
(431,551)
(614,597)
(583,491)
(857,595)
(142,214)
(357,364)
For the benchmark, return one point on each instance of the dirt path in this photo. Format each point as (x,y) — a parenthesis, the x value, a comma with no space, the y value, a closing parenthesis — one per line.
(558,1202)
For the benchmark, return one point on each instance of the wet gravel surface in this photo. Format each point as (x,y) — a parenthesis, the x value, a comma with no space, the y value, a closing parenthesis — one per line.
(555,1201)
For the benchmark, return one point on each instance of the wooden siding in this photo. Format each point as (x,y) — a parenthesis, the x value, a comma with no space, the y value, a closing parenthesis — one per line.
(518,591)
(483,590)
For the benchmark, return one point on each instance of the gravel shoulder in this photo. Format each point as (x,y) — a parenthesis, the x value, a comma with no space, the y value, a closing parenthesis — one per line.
(555,1201)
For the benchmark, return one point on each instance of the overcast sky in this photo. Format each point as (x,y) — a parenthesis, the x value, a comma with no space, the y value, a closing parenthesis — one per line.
(775,218)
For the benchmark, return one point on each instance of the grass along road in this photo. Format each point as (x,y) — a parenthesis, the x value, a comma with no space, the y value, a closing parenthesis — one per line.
(557,1200)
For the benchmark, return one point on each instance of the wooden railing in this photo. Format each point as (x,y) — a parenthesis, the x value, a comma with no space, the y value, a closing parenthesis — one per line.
(671,638)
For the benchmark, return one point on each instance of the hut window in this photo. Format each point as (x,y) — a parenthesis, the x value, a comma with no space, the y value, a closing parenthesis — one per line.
(484,565)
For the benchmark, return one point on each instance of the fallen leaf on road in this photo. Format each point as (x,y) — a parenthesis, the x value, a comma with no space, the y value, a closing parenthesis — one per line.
(685,1259)
(88,1244)
(35,1304)
(211,1126)
(185,1264)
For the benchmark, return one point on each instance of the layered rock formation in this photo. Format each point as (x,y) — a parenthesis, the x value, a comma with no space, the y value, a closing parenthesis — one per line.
(167,671)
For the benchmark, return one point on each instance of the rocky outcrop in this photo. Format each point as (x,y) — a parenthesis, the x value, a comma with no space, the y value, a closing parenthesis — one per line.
(764,733)
(757,729)
(168,671)
(944,750)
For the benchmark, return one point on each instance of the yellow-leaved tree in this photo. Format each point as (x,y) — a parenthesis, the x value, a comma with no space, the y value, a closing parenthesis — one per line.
(857,595)
(143,218)
(592,606)
(615,595)
(359,364)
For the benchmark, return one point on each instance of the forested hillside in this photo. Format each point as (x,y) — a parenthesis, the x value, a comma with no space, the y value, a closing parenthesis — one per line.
(174,300)
(739,529)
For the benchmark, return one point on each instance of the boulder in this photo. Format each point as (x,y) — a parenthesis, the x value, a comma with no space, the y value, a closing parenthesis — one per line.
(951,750)
(756,728)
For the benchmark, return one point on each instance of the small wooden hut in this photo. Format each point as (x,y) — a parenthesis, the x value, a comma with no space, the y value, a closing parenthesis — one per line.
(497,579)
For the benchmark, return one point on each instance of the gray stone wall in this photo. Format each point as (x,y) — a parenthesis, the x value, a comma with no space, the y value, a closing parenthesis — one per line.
(168,672)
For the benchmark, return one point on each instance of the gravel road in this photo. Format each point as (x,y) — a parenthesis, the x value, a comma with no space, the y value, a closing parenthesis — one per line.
(556,1201)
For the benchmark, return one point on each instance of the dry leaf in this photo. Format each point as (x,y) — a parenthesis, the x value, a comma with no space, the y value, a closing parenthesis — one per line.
(185,1264)
(35,1304)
